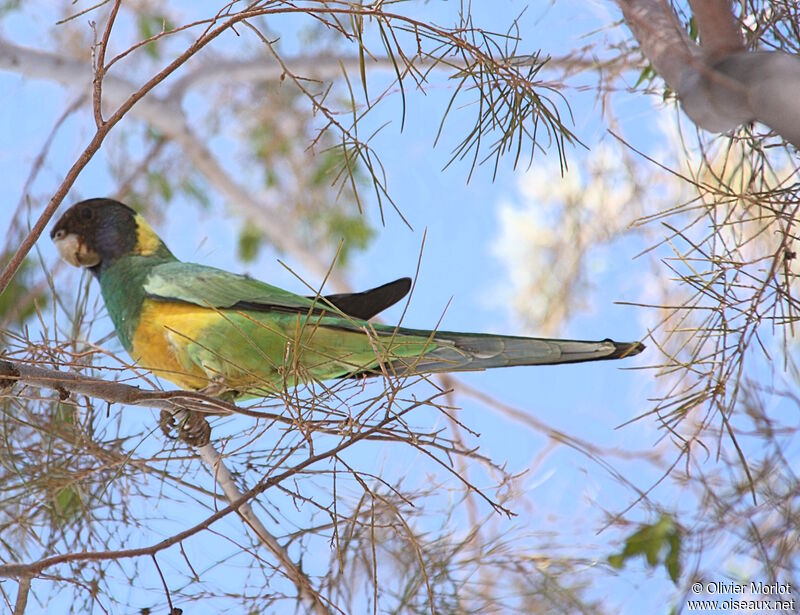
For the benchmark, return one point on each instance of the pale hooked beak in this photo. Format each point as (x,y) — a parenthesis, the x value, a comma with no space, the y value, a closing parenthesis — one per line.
(74,251)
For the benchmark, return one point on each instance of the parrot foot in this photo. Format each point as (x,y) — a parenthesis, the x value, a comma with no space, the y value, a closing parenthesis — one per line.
(191,427)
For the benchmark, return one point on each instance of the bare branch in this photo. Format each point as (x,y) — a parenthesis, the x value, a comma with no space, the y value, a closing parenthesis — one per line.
(16,260)
(112,392)
(23,589)
(722,87)
(16,570)
(720,33)
(100,67)
(224,478)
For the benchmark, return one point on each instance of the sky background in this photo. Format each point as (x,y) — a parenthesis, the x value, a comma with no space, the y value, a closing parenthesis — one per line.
(460,282)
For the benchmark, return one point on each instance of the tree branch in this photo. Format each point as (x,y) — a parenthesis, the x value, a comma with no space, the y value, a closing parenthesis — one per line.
(720,85)
(720,34)
(308,595)
(167,117)
(23,590)
(114,392)
(34,568)
(97,139)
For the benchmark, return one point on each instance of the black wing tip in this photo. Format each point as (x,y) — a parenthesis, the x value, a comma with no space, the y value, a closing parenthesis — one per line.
(399,288)
(368,303)
(625,349)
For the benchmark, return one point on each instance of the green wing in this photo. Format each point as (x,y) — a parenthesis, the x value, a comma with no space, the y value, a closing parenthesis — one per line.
(220,289)
(211,287)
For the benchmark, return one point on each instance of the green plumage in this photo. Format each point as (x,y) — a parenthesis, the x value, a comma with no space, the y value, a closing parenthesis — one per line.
(122,286)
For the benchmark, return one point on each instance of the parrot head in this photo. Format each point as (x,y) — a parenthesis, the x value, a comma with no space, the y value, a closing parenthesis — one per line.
(97,232)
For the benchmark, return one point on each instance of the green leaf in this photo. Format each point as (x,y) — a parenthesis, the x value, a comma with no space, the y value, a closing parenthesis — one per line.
(652,541)
(150,25)
(159,182)
(8,6)
(648,74)
(328,162)
(67,503)
(693,32)
(250,242)
(195,191)
(64,415)
(353,231)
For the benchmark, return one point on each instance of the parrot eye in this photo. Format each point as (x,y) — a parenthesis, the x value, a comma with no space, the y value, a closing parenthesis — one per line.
(86,213)
(60,234)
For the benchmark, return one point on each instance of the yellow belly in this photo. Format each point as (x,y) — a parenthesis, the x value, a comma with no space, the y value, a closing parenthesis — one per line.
(163,331)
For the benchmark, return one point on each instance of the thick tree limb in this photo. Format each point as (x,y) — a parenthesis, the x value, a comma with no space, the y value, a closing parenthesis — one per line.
(720,85)
(720,34)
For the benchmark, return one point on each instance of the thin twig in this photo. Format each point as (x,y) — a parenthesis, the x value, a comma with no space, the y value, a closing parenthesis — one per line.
(308,595)
(14,570)
(100,67)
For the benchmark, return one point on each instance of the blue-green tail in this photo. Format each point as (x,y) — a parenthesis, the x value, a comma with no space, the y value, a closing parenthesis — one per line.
(453,352)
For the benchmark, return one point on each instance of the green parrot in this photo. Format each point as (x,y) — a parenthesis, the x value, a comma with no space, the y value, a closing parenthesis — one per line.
(210,330)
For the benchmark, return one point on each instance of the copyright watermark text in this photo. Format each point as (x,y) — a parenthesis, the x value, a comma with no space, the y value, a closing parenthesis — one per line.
(732,596)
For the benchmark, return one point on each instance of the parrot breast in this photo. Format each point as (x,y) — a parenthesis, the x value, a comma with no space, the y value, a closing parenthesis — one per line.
(163,336)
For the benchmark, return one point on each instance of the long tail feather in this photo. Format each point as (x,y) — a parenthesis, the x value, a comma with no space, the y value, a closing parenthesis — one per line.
(475,351)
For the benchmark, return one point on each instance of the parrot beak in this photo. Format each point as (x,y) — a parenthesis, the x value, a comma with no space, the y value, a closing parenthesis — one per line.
(73,250)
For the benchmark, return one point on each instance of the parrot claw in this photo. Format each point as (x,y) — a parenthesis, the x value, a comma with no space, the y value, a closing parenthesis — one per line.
(191,427)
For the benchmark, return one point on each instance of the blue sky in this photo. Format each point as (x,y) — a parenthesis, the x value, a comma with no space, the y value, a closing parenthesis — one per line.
(569,491)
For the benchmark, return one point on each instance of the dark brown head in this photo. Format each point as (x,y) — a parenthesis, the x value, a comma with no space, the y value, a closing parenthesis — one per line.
(96,232)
